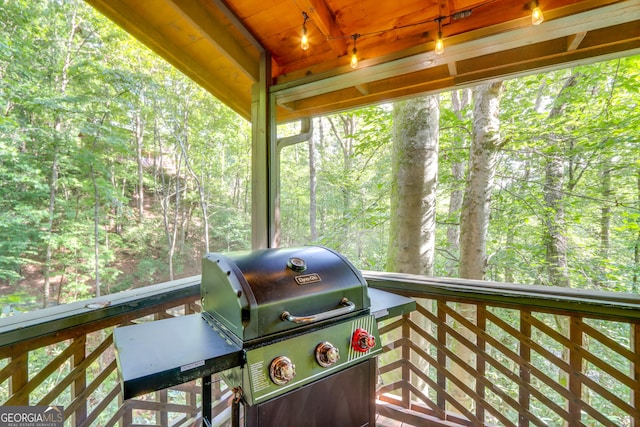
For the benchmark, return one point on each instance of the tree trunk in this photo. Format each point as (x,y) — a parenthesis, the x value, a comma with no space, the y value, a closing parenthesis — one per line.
(474,219)
(53,186)
(605,212)
(201,192)
(138,126)
(555,238)
(460,99)
(176,214)
(170,224)
(605,220)
(312,182)
(508,269)
(346,144)
(96,229)
(636,246)
(413,190)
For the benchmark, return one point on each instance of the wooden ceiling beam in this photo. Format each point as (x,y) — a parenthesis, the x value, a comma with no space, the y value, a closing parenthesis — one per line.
(343,100)
(238,25)
(321,16)
(430,78)
(216,33)
(550,63)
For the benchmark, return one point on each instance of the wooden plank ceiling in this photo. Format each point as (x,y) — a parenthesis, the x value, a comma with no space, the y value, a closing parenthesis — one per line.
(219,44)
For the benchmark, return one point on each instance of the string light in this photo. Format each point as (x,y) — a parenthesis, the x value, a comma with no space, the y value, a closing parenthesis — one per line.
(537,18)
(536,14)
(354,54)
(439,43)
(304,41)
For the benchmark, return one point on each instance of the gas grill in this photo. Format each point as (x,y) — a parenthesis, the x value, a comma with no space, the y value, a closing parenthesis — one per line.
(292,330)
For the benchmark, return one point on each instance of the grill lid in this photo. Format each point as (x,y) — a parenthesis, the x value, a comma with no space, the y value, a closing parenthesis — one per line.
(258,293)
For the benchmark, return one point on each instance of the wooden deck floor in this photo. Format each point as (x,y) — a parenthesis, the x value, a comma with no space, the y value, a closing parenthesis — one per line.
(388,422)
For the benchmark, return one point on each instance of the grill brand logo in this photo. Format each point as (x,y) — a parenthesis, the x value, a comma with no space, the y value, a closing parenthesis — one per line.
(308,278)
(31,416)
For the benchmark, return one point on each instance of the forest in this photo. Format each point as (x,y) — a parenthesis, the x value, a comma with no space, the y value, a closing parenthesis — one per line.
(117,172)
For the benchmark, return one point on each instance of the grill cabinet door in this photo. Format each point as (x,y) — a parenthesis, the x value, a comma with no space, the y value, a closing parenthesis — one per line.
(344,399)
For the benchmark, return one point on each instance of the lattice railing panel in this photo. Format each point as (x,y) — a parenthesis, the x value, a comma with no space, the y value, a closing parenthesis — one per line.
(480,364)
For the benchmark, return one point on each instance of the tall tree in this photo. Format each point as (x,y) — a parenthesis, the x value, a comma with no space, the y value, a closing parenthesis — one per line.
(344,132)
(474,219)
(555,226)
(138,137)
(413,189)
(460,99)
(313,181)
(636,245)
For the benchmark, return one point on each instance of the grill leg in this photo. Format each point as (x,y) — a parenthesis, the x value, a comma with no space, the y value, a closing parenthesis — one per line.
(235,406)
(235,414)
(206,400)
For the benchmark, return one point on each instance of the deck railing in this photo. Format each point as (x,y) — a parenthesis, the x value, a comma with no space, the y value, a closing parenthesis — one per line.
(65,356)
(473,353)
(481,353)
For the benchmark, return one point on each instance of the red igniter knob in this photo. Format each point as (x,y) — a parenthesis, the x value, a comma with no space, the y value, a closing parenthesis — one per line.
(362,340)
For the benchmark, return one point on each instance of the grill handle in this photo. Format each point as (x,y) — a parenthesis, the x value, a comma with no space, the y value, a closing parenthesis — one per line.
(348,307)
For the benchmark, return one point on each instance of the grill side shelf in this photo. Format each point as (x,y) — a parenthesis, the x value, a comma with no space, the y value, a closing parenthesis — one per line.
(385,305)
(156,355)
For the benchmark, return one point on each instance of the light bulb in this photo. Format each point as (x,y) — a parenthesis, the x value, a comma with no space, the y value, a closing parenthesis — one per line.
(354,55)
(304,41)
(354,59)
(439,42)
(536,16)
(439,46)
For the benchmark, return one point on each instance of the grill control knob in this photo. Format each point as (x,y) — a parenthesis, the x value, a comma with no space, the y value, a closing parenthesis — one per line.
(282,370)
(362,340)
(327,354)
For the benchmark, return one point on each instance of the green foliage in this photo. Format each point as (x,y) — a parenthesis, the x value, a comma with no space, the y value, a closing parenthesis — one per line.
(68,161)
(352,151)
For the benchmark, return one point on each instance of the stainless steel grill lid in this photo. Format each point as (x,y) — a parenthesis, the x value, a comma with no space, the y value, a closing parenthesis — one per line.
(259,293)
